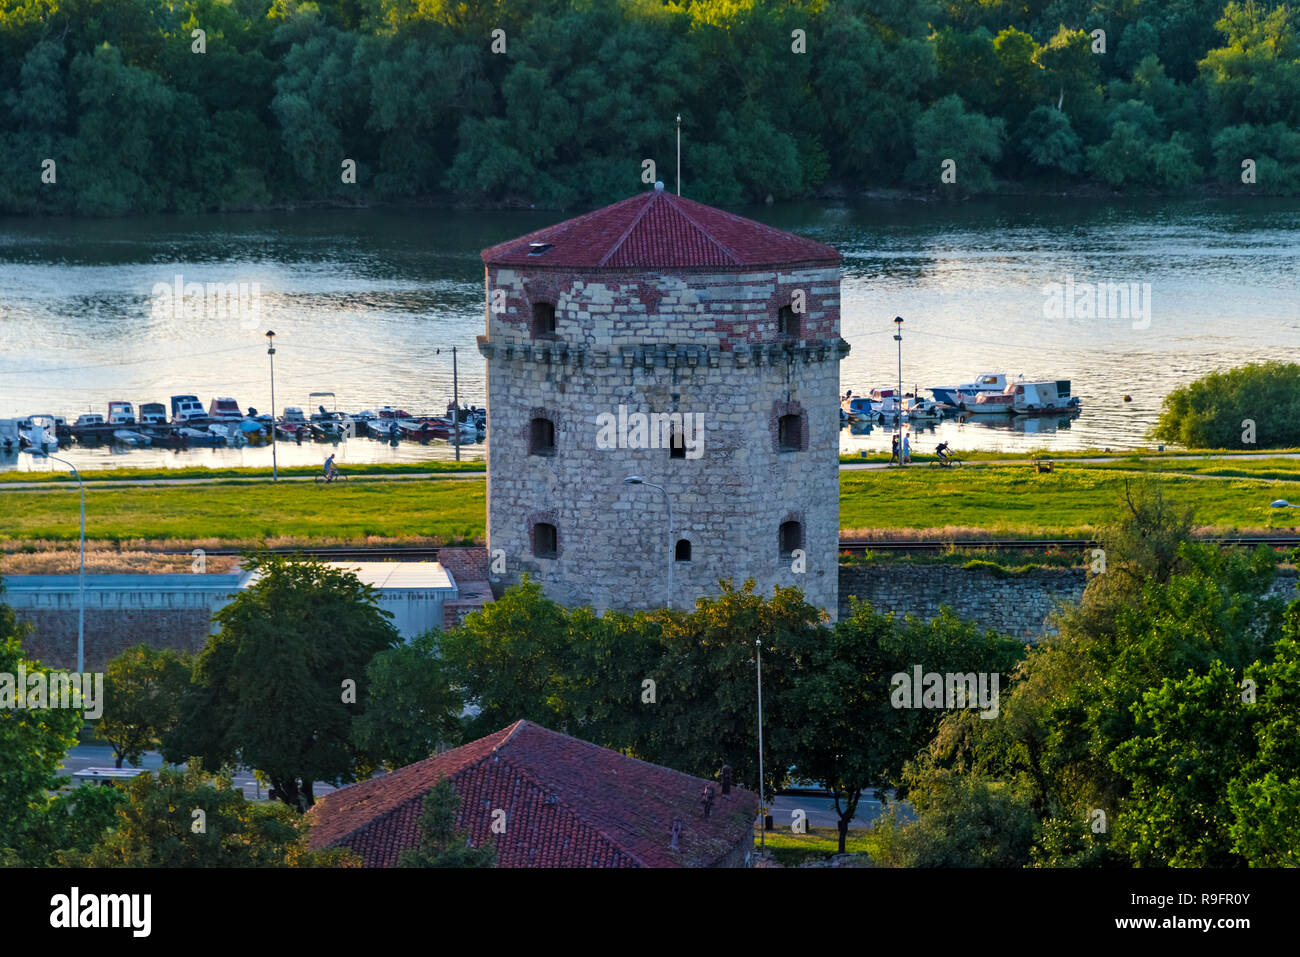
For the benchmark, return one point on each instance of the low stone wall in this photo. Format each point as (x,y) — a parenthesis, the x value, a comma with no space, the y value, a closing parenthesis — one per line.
(164,611)
(1017,605)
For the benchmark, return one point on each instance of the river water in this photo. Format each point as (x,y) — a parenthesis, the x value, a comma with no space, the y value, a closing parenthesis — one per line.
(368,304)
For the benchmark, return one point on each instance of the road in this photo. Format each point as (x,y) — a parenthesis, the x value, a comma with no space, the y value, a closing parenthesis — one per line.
(820,811)
(101,756)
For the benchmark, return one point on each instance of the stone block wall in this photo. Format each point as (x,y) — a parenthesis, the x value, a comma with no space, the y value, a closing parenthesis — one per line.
(1017,605)
(700,344)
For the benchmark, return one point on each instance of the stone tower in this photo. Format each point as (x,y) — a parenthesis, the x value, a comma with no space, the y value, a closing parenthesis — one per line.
(664,339)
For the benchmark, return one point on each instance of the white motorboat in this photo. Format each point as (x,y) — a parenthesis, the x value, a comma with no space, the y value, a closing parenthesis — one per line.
(121,413)
(967,391)
(188,410)
(38,432)
(917,409)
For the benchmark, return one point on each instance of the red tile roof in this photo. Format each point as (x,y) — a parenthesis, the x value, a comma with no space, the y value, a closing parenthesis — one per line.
(568,803)
(657,229)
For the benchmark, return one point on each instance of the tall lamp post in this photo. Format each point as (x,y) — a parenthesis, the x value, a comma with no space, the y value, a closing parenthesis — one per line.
(762,808)
(898,396)
(81,615)
(637,480)
(270,351)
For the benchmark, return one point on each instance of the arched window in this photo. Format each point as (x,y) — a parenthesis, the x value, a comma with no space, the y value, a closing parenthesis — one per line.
(541,437)
(787,323)
(682,552)
(545,540)
(543,319)
(791,538)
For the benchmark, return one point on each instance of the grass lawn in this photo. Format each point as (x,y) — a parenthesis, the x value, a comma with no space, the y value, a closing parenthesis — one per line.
(980,501)
(818,844)
(447,511)
(1016,501)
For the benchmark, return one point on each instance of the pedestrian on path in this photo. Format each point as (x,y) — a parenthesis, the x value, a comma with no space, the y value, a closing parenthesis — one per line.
(893,451)
(907,448)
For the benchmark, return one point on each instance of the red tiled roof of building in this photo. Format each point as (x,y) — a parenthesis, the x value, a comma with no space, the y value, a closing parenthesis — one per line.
(568,803)
(657,229)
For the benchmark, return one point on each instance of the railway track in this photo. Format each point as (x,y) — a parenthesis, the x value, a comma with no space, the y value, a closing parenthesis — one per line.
(850,546)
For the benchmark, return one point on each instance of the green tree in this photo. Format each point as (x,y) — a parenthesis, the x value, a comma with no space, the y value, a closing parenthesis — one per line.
(508,658)
(441,844)
(705,713)
(1047,139)
(947,132)
(278,687)
(191,819)
(412,709)
(852,735)
(143,688)
(33,741)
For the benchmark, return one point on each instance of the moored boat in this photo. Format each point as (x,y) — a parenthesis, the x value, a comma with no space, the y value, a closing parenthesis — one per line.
(994,382)
(224,409)
(187,410)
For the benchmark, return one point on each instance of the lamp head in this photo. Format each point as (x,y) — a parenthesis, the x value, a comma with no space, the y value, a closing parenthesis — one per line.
(1281,503)
(633,480)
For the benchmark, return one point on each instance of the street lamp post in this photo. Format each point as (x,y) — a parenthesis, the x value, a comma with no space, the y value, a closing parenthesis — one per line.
(762,807)
(270,351)
(898,396)
(637,480)
(81,614)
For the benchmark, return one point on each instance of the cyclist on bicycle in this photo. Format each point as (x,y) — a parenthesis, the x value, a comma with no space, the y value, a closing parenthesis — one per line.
(941,450)
(329,469)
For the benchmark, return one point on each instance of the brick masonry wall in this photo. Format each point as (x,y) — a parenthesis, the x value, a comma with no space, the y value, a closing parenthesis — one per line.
(1018,605)
(465,564)
(701,343)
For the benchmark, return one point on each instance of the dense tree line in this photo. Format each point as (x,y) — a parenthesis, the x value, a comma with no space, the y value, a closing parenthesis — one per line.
(562,106)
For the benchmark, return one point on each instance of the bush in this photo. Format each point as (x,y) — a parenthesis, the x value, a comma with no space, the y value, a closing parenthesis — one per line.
(1216,410)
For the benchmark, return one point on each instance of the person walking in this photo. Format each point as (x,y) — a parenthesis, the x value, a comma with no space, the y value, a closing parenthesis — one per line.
(893,450)
(907,448)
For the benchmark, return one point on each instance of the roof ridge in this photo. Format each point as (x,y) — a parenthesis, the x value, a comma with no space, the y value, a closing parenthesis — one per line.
(515,729)
(618,244)
(729,253)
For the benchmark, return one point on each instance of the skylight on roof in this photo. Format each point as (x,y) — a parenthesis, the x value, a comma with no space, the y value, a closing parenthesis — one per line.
(536,249)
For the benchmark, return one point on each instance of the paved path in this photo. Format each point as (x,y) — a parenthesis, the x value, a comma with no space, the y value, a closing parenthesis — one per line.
(113,483)
(844,467)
